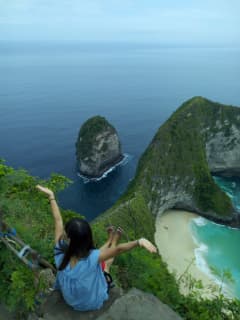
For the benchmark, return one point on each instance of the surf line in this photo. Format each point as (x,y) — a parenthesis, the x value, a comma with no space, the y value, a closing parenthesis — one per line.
(201,251)
(126,158)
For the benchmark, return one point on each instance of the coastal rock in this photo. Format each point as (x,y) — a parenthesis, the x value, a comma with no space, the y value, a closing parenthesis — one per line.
(138,305)
(133,305)
(200,139)
(97,148)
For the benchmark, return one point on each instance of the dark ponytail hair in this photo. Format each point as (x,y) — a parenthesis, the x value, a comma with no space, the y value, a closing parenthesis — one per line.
(81,241)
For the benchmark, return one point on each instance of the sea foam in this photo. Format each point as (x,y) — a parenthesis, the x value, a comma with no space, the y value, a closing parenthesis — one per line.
(200,255)
(200,221)
(123,162)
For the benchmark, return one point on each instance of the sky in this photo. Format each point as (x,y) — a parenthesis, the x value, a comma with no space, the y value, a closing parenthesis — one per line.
(214,22)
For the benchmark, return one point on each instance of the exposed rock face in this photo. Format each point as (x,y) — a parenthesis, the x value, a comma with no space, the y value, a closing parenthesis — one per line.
(134,305)
(201,138)
(98,147)
(138,305)
(223,152)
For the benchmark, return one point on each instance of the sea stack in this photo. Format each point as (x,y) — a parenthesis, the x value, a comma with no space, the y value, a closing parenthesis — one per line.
(97,148)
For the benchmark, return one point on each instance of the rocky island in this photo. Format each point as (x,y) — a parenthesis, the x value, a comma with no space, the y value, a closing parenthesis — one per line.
(97,148)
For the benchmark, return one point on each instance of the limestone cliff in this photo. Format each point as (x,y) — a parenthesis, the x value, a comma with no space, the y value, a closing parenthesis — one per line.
(201,138)
(98,147)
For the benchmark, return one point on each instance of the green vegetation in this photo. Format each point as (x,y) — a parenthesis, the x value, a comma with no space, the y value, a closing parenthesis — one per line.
(24,209)
(176,151)
(208,195)
(88,133)
(28,211)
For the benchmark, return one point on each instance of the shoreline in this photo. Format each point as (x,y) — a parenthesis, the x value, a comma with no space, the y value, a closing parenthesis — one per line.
(177,247)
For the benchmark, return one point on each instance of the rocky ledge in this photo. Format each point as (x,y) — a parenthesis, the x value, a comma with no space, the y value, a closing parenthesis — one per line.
(133,305)
(97,148)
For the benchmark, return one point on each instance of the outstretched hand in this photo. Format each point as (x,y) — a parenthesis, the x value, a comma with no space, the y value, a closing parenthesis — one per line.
(147,245)
(45,190)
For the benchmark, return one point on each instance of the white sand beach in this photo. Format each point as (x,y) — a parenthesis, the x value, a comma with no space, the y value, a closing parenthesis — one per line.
(176,246)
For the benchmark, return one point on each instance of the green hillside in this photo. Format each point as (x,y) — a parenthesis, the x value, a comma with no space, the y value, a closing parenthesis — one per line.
(177,156)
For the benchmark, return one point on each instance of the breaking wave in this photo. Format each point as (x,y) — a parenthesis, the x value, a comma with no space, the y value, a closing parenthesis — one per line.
(123,162)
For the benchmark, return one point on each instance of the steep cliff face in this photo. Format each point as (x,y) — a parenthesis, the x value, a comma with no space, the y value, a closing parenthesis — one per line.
(201,138)
(223,151)
(98,147)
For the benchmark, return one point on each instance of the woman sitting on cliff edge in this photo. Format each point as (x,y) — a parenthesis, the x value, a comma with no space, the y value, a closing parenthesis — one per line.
(81,267)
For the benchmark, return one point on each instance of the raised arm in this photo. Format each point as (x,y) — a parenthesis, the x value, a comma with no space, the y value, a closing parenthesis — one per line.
(108,253)
(55,212)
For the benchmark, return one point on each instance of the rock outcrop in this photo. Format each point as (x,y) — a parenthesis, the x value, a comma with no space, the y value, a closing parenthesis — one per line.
(223,150)
(97,148)
(139,305)
(200,139)
(133,305)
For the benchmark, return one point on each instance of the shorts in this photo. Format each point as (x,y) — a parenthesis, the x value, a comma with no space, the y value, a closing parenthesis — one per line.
(107,276)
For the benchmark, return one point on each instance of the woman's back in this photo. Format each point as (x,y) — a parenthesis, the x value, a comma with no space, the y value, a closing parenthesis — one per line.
(83,286)
(81,280)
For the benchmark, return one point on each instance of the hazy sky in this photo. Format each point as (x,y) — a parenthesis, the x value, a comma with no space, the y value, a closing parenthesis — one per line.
(169,21)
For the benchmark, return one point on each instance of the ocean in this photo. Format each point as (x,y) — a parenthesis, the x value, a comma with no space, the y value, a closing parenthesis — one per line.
(217,251)
(48,90)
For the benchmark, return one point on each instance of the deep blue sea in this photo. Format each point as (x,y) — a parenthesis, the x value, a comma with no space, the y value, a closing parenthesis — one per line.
(48,90)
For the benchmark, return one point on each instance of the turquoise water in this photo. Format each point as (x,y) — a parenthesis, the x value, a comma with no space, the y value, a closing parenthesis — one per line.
(218,246)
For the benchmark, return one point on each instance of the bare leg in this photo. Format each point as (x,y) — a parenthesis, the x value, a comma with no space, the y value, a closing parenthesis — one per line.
(116,237)
(110,232)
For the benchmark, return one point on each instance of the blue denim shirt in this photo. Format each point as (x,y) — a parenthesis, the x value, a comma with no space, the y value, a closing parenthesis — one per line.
(84,286)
